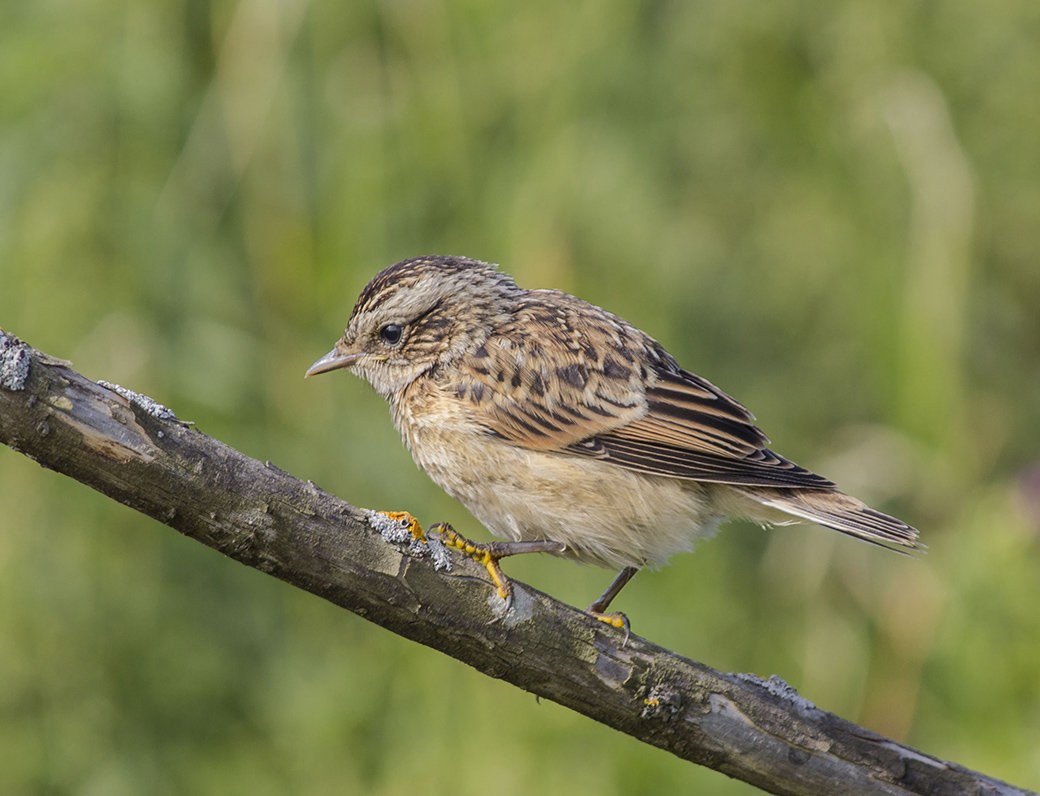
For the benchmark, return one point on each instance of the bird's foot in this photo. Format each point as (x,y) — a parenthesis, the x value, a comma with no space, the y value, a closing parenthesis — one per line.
(489,553)
(408,523)
(614,619)
(599,608)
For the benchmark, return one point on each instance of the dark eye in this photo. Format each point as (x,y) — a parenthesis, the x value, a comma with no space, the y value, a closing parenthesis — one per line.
(391,334)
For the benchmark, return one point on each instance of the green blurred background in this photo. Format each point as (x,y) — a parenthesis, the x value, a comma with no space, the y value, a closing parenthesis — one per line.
(830,210)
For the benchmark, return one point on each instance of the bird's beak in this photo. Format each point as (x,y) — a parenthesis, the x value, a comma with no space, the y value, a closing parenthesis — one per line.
(332,361)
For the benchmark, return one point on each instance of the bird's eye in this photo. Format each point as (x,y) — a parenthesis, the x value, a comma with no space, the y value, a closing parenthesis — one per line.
(391,334)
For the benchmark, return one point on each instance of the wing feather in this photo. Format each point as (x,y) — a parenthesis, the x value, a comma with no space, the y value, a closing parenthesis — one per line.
(569,377)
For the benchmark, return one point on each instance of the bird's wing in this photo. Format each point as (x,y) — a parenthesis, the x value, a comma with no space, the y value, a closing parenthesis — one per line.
(694,430)
(571,378)
(561,372)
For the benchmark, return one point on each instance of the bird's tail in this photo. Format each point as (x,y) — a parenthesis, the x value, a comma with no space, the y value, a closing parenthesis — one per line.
(834,509)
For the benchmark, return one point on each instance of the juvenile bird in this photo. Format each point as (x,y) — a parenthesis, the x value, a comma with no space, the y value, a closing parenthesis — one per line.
(565,429)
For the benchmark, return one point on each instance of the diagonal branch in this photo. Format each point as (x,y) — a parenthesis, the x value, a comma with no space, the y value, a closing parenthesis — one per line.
(137,452)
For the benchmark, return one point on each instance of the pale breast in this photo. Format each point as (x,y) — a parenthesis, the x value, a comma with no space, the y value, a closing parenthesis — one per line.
(604,514)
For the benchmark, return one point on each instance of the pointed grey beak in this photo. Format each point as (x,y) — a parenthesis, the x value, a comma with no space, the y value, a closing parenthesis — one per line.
(331,361)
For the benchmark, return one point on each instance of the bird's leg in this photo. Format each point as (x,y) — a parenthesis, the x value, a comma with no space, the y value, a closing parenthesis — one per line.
(598,609)
(488,553)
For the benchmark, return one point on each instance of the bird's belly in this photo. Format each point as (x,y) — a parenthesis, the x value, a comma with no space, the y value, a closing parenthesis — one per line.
(605,514)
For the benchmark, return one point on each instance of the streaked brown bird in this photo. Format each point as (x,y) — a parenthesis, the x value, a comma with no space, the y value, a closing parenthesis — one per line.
(565,429)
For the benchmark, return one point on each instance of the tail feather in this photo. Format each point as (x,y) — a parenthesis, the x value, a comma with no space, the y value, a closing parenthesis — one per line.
(844,513)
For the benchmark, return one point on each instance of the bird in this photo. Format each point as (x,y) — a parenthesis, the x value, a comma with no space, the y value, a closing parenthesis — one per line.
(567,430)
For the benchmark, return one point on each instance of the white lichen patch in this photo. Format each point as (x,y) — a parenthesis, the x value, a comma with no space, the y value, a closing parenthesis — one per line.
(15,358)
(152,407)
(777,686)
(393,531)
(439,554)
(399,532)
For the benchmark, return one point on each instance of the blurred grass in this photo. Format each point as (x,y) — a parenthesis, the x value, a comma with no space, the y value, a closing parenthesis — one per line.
(829,211)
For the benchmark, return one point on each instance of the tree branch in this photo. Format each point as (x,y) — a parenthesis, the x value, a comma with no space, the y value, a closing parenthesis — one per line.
(137,452)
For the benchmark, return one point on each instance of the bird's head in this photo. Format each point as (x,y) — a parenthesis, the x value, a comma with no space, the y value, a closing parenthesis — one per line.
(417,315)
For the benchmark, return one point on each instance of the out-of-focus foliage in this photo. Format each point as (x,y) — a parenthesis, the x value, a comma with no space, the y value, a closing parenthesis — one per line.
(830,210)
